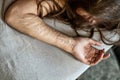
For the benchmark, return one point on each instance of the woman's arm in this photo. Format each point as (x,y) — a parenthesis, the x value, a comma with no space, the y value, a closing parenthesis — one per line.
(23,15)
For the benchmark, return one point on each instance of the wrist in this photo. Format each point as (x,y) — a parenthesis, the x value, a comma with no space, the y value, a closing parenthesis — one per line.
(65,42)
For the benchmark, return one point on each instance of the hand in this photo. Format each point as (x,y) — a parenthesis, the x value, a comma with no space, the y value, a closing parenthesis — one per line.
(87,54)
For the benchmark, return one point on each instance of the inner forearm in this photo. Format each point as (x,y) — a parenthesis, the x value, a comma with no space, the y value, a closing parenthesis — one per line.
(35,27)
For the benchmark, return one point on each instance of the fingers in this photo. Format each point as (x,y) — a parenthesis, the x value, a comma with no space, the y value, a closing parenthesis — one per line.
(106,56)
(93,42)
(98,58)
(95,57)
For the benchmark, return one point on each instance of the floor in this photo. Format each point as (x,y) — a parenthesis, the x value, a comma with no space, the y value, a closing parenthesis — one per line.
(117,53)
(106,70)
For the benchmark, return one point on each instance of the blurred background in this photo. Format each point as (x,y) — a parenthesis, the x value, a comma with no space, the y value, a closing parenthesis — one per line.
(106,70)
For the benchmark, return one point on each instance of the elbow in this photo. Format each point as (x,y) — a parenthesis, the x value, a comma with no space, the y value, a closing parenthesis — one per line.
(8,18)
(11,16)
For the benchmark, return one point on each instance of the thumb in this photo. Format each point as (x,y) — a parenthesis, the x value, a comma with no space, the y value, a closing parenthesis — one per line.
(106,56)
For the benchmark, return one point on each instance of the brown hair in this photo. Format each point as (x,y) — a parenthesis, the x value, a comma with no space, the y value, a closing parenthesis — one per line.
(106,10)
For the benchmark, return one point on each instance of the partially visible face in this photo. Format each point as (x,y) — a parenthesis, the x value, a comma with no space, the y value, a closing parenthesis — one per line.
(87,16)
(106,13)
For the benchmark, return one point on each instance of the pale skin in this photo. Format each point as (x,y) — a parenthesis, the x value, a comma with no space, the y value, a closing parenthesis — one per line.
(23,15)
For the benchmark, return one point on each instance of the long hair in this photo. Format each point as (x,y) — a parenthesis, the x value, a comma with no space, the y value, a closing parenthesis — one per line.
(108,11)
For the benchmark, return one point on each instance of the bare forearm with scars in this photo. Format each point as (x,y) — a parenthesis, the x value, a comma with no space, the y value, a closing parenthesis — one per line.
(28,22)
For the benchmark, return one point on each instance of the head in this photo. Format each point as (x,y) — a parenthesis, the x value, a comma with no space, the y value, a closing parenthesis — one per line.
(97,12)
(93,14)
(101,15)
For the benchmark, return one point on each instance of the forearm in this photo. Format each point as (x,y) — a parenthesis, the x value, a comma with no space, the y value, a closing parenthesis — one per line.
(34,26)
